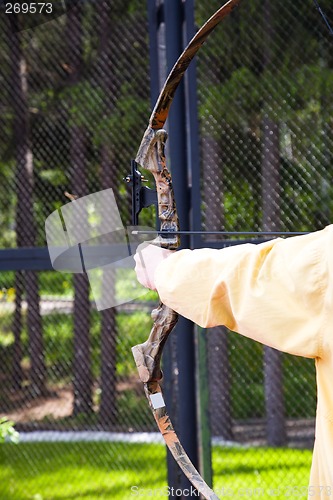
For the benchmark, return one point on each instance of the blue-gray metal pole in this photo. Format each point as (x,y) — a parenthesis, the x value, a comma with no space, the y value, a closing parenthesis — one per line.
(192,129)
(204,452)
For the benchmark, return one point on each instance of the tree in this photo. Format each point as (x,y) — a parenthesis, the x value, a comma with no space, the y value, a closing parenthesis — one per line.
(219,366)
(108,178)
(82,373)
(25,224)
(276,430)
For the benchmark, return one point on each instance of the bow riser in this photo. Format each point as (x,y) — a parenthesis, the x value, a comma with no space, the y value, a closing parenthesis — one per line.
(148,355)
(152,153)
(151,156)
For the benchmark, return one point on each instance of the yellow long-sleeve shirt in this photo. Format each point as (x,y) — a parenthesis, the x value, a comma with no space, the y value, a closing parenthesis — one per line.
(279,293)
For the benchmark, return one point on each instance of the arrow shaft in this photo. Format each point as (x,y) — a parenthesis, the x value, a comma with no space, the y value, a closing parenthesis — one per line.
(226,233)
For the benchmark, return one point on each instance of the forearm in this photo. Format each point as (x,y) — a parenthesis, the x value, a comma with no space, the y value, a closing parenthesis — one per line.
(269,292)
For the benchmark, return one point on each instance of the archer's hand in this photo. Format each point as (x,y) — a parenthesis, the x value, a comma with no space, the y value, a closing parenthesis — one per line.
(147,259)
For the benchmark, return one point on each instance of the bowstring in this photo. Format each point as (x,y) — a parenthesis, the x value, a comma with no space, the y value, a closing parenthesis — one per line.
(323,15)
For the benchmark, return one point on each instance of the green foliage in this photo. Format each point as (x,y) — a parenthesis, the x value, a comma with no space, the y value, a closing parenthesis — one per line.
(130,334)
(132,408)
(238,99)
(122,123)
(84,102)
(241,208)
(250,69)
(58,341)
(53,177)
(55,284)
(247,381)
(7,280)
(7,202)
(96,102)
(7,431)
(241,78)
(58,335)
(243,98)
(299,386)
(247,390)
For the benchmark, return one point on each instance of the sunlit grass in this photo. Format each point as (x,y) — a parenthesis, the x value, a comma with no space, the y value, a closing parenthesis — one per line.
(264,473)
(53,471)
(118,471)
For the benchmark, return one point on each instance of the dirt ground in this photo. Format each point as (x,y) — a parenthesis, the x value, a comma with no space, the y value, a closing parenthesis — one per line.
(57,405)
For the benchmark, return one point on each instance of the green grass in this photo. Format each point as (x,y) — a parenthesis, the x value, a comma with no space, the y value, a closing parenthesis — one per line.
(264,473)
(64,471)
(54,471)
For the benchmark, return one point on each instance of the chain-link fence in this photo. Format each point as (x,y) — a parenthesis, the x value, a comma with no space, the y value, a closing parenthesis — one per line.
(74,104)
(264,85)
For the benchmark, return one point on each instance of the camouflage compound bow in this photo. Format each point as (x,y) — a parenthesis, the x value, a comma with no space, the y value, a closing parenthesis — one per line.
(151,156)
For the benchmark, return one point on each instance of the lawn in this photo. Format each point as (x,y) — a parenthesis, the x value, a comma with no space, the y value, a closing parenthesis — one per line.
(118,471)
(264,473)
